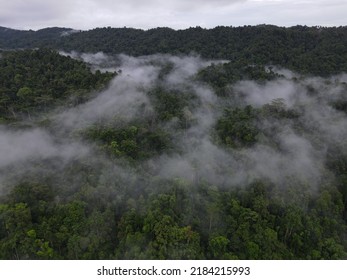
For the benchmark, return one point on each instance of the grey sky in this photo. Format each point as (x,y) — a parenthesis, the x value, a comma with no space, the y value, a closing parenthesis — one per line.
(177,14)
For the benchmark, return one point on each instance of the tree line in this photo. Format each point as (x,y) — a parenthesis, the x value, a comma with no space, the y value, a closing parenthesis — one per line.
(311,50)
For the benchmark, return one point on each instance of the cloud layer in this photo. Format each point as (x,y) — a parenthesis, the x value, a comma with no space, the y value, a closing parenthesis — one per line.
(178,14)
(285,149)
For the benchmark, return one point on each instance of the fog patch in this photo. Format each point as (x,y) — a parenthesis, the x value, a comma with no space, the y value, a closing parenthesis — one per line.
(257,95)
(16,146)
(69,32)
(123,98)
(286,148)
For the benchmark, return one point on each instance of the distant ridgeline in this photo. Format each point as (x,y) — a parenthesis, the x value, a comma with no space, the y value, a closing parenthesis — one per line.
(313,50)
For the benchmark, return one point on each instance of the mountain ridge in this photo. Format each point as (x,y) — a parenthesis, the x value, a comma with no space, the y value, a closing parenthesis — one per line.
(310,50)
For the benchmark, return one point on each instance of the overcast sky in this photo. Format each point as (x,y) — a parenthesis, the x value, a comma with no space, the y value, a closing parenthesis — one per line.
(177,14)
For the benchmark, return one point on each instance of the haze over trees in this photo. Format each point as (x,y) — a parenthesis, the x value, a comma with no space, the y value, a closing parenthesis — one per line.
(121,143)
(311,50)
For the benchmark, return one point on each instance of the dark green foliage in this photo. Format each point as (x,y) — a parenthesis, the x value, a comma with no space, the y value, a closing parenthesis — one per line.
(35,80)
(237,127)
(11,38)
(119,206)
(337,163)
(221,75)
(172,104)
(132,141)
(306,49)
(234,224)
(313,50)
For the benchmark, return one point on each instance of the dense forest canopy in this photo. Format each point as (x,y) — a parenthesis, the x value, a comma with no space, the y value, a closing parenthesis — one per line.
(33,81)
(226,143)
(311,50)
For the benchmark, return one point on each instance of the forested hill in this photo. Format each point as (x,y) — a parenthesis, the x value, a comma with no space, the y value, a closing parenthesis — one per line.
(314,50)
(33,81)
(12,39)
(111,156)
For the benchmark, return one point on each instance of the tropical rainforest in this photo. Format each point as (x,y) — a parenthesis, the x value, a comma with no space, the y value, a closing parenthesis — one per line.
(224,143)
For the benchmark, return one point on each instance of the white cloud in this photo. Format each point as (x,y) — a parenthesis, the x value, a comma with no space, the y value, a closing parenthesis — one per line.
(34,144)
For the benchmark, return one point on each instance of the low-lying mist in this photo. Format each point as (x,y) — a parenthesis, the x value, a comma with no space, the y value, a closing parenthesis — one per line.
(296,121)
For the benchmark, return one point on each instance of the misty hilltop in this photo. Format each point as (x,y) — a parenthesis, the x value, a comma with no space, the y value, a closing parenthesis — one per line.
(224,143)
(311,50)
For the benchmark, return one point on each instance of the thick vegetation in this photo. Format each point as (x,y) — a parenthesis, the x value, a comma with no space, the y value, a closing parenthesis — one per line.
(312,50)
(35,80)
(186,177)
